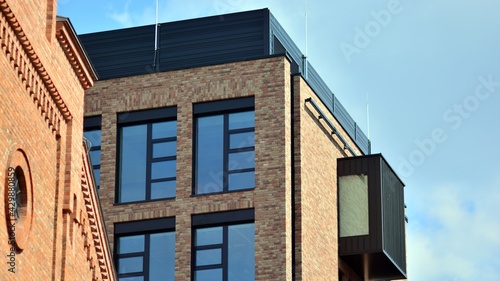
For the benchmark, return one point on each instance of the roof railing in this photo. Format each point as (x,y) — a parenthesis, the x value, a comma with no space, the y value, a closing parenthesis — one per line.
(333,130)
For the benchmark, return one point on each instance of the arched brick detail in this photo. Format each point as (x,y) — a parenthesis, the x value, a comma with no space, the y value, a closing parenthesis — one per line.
(19,228)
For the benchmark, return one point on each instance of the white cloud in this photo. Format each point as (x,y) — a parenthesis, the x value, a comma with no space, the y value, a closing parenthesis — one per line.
(123,17)
(455,234)
(132,13)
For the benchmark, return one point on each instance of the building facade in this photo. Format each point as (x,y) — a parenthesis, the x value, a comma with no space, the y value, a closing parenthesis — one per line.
(51,222)
(217,155)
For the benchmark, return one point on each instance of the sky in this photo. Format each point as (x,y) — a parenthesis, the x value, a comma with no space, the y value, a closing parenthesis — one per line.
(429,72)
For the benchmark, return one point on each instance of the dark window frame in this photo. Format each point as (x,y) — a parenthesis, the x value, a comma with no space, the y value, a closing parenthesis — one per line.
(94,123)
(148,118)
(146,228)
(220,219)
(224,108)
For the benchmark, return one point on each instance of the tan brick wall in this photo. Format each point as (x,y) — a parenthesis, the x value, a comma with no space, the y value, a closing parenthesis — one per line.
(268,80)
(41,113)
(316,153)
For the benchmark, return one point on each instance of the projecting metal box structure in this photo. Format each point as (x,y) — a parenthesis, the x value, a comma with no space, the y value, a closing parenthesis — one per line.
(371,217)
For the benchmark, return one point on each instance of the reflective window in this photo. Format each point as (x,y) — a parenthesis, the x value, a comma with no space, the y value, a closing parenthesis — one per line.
(94,136)
(225,253)
(225,152)
(147,163)
(149,256)
(241,249)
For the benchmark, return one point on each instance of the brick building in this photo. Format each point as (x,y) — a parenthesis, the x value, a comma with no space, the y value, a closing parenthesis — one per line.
(222,155)
(51,223)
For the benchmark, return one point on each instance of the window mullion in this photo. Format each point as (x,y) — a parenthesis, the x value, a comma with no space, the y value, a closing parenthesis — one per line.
(145,270)
(225,254)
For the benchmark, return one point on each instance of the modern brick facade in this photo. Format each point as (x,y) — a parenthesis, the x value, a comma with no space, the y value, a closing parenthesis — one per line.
(294,201)
(55,230)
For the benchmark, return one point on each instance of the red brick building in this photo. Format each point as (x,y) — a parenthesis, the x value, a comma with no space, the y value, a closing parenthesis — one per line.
(51,225)
(222,155)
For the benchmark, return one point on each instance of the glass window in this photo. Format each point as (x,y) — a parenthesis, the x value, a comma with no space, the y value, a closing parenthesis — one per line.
(131,244)
(162,256)
(145,249)
(241,264)
(162,189)
(133,163)
(225,152)
(94,136)
(212,244)
(209,236)
(149,256)
(147,163)
(209,274)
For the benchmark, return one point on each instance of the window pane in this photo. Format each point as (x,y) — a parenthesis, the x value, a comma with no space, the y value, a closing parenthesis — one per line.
(242,140)
(208,257)
(242,120)
(136,278)
(164,149)
(163,169)
(164,129)
(208,236)
(162,256)
(133,163)
(209,148)
(131,244)
(241,160)
(241,252)
(208,275)
(93,136)
(129,265)
(95,157)
(164,189)
(244,180)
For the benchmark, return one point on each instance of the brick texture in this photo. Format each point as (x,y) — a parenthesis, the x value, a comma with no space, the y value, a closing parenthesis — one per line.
(268,80)
(316,154)
(41,117)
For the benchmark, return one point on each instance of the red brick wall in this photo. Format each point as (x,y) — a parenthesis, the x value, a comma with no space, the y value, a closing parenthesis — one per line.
(41,114)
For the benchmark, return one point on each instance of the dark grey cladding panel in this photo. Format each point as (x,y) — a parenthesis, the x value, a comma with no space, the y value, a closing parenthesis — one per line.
(393,216)
(344,118)
(362,140)
(208,41)
(280,39)
(122,52)
(337,109)
(214,40)
(182,44)
(278,33)
(278,48)
(381,254)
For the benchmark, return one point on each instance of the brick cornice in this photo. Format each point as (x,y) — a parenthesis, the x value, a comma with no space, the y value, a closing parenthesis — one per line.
(74,53)
(97,243)
(30,70)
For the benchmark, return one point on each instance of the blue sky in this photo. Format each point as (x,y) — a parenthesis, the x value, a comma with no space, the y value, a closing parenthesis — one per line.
(430,71)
